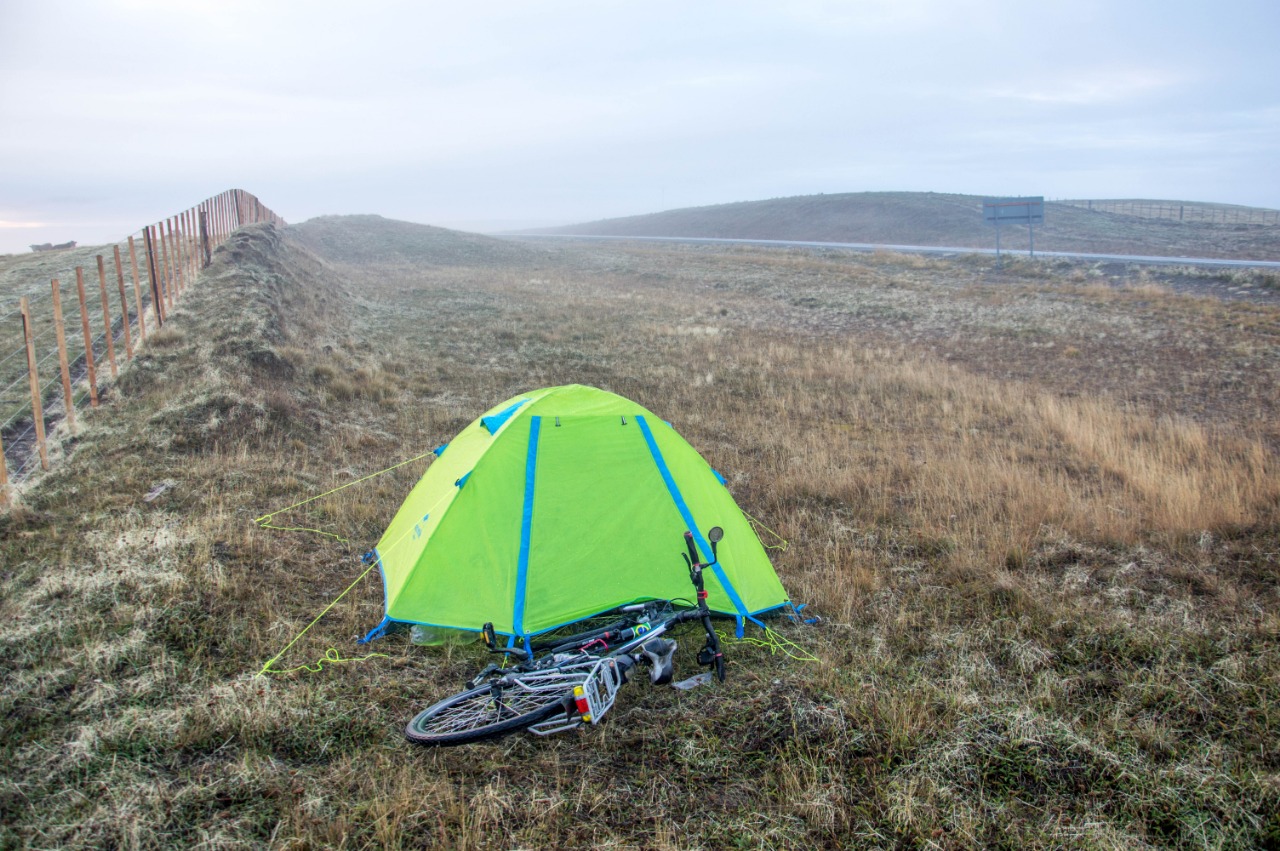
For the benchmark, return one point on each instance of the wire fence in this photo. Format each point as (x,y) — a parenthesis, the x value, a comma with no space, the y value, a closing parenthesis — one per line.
(1225,214)
(67,331)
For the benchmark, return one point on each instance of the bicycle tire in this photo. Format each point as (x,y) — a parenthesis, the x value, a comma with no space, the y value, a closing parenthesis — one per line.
(473,715)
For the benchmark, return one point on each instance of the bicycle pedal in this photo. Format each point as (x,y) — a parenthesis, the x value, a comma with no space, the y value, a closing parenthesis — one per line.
(693,682)
(624,665)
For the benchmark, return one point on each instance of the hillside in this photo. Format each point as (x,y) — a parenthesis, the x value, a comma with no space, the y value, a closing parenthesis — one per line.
(929,218)
(1036,508)
(374,239)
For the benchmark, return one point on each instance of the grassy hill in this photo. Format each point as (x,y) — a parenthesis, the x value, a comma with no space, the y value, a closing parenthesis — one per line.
(1038,510)
(929,218)
(374,239)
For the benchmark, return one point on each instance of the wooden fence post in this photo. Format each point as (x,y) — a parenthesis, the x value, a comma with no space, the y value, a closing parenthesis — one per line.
(180,256)
(124,306)
(88,339)
(166,286)
(189,220)
(170,265)
(175,238)
(37,413)
(137,293)
(182,241)
(69,399)
(165,271)
(106,319)
(184,253)
(204,238)
(157,304)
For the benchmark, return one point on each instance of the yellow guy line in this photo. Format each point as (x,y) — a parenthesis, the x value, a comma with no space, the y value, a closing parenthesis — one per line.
(331,655)
(781,547)
(263,521)
(775,644)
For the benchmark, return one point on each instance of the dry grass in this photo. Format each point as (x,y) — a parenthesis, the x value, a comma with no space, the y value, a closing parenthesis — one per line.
(1050,614)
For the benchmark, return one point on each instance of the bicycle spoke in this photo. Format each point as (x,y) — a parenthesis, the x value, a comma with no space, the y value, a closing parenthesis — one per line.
(484,709)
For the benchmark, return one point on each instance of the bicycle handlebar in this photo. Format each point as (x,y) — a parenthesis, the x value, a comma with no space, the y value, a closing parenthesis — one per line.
(693,550)
(711,653)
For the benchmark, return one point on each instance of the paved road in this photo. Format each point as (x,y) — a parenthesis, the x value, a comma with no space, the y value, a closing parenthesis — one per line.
(921,249)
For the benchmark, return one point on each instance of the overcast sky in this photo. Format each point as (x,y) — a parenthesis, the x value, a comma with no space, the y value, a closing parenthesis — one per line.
(497,115)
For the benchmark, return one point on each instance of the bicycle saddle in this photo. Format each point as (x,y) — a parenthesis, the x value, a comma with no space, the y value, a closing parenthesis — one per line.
(660,653)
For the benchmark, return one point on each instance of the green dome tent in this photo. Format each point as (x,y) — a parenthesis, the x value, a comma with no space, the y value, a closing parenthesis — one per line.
(557,505)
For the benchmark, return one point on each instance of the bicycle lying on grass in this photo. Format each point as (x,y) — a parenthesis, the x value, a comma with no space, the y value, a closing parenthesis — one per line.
(576,678)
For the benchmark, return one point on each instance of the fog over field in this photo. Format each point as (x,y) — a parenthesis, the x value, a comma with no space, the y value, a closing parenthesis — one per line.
(1035,506)
(120,112)
(1035,502)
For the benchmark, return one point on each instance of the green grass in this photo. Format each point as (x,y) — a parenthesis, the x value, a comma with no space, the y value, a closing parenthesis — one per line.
(1048,580)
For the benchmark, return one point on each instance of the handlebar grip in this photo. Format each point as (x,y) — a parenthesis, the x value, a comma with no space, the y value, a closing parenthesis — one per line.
(693,550)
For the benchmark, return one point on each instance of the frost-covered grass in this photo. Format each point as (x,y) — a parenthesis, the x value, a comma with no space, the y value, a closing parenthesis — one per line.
(1043,542)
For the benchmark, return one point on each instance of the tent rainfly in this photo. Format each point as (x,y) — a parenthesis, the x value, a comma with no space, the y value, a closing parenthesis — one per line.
(557,505)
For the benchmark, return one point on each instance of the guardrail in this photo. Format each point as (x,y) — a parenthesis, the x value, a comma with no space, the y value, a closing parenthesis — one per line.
(47,373)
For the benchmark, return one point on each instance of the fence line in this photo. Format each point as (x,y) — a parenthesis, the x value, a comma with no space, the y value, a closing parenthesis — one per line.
(1184,212)
(174,251)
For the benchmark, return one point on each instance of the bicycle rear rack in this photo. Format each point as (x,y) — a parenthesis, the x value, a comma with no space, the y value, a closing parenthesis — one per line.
(593,697)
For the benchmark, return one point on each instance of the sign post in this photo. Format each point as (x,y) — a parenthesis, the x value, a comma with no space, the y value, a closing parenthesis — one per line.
(1014,211)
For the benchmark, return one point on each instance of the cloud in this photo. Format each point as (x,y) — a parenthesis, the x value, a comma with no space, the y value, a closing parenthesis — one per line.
(1093,87)
(564,110)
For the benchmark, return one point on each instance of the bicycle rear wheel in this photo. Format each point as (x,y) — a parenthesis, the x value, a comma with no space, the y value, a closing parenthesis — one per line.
(480,713)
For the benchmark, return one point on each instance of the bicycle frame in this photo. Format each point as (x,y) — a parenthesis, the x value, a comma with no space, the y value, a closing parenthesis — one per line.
(580,673)
(594,681)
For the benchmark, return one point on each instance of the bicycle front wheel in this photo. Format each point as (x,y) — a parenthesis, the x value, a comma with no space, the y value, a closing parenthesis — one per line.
(482,713)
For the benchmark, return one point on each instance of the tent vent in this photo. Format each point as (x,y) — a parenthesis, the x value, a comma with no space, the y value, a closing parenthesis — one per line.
(494,422)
